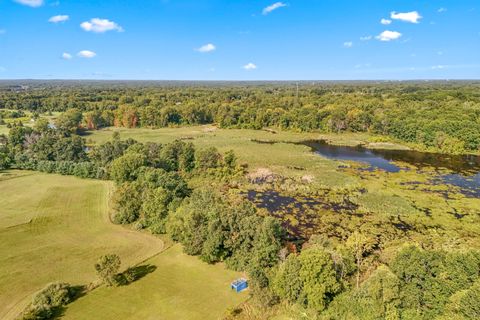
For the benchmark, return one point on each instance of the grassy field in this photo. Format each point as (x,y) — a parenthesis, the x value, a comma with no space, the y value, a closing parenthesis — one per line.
(55,228)
(181,287)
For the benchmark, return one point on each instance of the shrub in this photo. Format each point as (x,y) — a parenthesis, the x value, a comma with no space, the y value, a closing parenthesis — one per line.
(107,268)
(47,302)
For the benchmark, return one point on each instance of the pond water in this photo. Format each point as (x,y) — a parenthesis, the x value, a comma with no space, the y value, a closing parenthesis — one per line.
(464,170)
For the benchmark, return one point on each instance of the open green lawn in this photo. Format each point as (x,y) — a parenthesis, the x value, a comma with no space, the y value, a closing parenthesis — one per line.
(181,287)
(54,228)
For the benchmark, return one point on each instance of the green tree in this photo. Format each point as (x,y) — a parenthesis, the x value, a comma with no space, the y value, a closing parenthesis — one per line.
(208,158)
(126,167)
(69,121)
(46,303)
(41,125)
(360,245)
(318,275)
(127,202)
(230,159)
(155,208)
(107,268)
(287,282)
(5,159)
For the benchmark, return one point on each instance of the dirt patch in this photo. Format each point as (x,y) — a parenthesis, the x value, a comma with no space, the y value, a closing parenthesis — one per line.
(209,129)
(262,175)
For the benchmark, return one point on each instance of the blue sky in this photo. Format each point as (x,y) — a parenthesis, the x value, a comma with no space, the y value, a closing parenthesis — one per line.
(239,39)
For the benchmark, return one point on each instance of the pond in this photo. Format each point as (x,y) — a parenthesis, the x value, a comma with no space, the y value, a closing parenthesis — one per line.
(464,170)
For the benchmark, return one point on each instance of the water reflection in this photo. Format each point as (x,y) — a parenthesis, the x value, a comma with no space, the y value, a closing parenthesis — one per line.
(464,170)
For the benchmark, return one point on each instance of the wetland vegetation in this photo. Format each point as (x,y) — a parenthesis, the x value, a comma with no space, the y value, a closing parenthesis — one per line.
(336,202)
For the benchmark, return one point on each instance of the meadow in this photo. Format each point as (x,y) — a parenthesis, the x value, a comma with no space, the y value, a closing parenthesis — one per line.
(54,228)
(181,287)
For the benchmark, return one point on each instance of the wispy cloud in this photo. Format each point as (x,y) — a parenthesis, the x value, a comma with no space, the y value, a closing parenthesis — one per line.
(441,10)
(3,31)
(59,18)
(66,56)
(3,69)
(31,3)
(272,7)
(388,35)
(366,38)
(385,21)
(86,54)
(98,25)
(209,47)
(348,44)
(249,66)
(412,17)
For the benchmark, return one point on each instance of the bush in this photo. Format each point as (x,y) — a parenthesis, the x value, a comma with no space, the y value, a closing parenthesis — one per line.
(47,302)
(107,268)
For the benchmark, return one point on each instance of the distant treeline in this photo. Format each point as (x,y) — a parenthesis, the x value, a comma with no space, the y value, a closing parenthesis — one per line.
(440,115)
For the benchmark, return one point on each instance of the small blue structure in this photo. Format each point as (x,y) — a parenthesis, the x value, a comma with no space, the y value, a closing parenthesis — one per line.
(239,285)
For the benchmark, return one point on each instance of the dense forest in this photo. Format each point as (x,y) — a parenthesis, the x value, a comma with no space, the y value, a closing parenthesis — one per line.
(440,116)
(157,187)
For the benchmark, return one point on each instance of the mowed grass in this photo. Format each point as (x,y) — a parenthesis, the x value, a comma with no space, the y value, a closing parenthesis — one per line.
(181,287)
(54,228)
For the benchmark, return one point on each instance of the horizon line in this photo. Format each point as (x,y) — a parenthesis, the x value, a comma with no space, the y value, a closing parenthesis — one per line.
(240,80)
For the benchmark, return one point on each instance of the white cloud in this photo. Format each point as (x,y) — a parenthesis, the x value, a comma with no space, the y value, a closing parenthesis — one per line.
(412,16)
(385,21)
(366,38)
(86,54)
(66,56)
(272,7)
(250,66)
(388,35)
(3,31)
(31,3)
(441,10)
(438,67)
(59,18)
(348,44)
(100,25)
(206,48)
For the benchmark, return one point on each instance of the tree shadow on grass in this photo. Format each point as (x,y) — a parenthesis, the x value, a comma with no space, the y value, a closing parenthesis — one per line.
(76,293)
(123,279)
(135,273)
